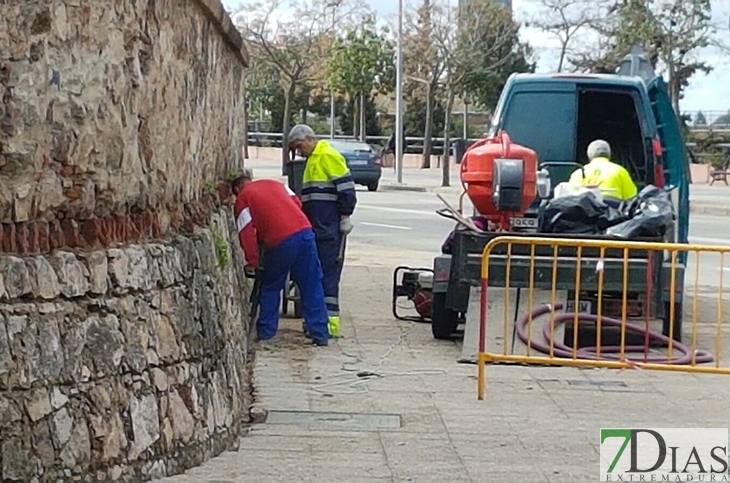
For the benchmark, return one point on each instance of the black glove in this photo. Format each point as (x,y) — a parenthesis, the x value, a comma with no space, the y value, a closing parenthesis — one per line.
(249,271)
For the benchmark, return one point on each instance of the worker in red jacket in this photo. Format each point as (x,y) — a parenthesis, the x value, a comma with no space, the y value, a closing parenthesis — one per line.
(270,213)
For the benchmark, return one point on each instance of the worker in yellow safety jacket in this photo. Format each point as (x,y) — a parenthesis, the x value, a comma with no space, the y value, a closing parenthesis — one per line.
(328,199)
(612,179)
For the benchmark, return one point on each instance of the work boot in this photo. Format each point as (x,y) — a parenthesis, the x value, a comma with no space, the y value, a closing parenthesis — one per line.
(320,342)
(333,326)
(305,331)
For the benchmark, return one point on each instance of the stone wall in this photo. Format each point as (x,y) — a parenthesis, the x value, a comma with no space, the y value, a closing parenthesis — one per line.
(123,363)
(112,107)
(123,309)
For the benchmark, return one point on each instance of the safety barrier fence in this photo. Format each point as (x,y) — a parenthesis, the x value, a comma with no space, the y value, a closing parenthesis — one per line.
(632,286)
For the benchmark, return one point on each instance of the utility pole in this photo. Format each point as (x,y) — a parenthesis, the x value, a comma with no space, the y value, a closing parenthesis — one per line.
(332,115)
(399,100)
(466,119)
(335,5)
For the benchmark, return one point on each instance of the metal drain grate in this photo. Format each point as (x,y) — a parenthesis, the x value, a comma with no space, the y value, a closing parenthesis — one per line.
(335,421)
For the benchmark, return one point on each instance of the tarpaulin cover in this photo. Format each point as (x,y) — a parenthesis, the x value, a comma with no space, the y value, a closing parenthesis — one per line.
(580,213)
(650,214)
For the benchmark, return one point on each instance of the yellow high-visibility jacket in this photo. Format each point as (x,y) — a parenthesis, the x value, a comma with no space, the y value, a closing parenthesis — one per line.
(328,190)
(612,179)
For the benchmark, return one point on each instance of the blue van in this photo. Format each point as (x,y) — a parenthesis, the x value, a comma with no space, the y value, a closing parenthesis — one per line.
(558,116)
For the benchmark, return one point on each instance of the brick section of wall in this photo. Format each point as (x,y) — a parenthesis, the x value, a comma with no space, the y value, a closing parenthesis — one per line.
(43,236)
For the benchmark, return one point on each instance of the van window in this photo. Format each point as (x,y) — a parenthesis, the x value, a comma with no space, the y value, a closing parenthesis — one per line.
(612,115)
(545,122)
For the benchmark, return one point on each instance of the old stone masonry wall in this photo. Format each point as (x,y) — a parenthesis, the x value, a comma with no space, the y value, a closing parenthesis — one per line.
(123,318)
(115,107)
(124,363)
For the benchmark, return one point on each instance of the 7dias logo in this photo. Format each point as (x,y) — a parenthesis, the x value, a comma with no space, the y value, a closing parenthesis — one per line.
(674,454)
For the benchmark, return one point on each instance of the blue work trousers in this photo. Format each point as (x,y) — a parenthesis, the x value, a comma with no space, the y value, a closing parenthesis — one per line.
(296,255)
(329,249)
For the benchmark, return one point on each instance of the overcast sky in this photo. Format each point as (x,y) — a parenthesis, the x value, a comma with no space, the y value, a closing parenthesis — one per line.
(705,92)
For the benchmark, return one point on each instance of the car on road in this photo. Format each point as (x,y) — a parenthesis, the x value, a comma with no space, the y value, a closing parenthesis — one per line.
(364,162)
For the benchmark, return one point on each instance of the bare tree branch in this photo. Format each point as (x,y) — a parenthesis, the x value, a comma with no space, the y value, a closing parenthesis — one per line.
(565,19)
(292,38)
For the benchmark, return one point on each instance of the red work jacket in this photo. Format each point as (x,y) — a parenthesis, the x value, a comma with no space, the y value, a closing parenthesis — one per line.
(268,212)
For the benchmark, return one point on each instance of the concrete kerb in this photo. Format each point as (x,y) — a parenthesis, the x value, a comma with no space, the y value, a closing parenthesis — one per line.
(709,209)
(419,188)
(403,187)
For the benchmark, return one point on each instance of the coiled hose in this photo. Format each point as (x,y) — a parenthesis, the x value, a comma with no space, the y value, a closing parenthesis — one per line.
(607,352)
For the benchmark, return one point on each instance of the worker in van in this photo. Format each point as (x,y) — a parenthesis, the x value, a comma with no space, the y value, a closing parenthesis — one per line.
(611,178)
(268,212)
(328,197)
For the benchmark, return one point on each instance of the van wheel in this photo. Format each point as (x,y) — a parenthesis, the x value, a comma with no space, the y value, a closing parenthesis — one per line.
(444,321)
(373,186)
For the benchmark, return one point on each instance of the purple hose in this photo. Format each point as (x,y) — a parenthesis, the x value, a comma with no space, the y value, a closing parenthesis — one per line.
(562,350)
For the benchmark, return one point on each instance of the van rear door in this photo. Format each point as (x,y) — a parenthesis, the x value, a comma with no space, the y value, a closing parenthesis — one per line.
(673,154)
(542,116)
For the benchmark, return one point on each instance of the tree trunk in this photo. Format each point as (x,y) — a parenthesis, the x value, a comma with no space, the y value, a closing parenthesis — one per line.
(288,95)
(304,114)
(355,117)
(563,48)
(675,101)
(362,117)
(428,132)
(674,88)
(446,164)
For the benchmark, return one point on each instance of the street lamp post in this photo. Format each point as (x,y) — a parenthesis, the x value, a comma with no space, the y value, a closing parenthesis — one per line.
(332,114)
(335,5)
(399,100)
(466,120)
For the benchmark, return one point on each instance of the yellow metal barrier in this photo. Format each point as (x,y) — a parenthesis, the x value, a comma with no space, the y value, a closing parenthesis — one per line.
(590,271)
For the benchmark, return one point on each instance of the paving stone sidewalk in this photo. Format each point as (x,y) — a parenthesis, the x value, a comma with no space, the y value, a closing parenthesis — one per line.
(419,419)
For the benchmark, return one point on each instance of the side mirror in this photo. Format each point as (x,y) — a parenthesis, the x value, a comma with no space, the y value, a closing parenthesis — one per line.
(543,183)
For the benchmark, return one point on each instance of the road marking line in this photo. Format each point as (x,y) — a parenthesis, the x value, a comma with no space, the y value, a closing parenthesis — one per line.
(399,210)
(383,225)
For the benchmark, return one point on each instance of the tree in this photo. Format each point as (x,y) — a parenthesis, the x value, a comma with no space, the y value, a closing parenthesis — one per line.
(564,19)
(372,126)
(456,64)
(423,67)
(477,57)
(414,118)
(294,47)
(672,32)
(700,120)
(361,62)
(491,49)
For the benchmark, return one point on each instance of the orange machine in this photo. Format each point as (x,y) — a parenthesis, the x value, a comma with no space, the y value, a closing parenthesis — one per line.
(500,178)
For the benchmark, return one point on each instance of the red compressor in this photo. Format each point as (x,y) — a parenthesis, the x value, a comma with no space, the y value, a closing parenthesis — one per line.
(500,178)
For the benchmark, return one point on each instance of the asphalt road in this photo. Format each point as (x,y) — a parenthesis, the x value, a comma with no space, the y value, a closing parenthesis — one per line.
(406,221)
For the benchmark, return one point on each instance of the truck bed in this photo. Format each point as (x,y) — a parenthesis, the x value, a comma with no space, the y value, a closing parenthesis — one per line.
(468,247)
